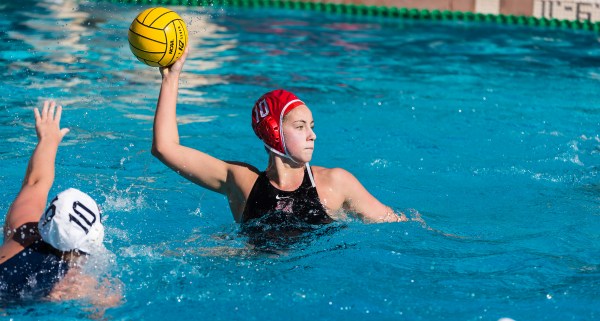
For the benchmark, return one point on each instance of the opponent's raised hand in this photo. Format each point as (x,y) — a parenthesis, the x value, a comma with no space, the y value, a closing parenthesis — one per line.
(47,123)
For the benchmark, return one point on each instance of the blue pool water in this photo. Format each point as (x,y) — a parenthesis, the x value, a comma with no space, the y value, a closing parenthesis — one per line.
(490,133)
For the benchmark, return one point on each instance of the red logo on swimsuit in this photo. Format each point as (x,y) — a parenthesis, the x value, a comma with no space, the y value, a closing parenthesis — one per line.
(284,204)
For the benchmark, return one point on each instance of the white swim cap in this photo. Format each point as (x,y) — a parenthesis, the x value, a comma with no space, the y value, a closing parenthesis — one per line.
(72,222)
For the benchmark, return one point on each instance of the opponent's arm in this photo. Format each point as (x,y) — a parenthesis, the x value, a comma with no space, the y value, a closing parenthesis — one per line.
(358,200)
(192,164)
(29,204)
(80,286)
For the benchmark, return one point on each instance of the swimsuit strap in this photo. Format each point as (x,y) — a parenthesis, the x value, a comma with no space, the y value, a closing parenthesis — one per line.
(310,175)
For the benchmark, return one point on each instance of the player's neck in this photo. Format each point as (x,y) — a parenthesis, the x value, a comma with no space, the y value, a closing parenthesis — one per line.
(284,173)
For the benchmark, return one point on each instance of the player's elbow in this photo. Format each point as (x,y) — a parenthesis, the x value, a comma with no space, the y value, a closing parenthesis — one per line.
(38,183)
(158,151)
(163,147)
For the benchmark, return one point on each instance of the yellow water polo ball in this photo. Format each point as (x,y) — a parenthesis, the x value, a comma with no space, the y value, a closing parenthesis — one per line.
(157,37)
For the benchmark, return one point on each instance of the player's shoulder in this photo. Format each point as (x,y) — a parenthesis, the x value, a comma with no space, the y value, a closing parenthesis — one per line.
(335,175)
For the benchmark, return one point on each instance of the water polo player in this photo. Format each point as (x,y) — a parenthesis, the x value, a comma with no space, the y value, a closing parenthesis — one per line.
(43,250)
(289,185)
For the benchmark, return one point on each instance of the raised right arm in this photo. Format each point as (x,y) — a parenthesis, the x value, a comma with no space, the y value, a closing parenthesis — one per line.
(198,167)
(29,204)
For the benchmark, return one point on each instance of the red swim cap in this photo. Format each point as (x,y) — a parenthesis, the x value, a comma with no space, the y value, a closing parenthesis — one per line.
(267,118)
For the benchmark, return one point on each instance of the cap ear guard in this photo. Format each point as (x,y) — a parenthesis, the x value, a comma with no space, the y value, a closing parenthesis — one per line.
(268,131)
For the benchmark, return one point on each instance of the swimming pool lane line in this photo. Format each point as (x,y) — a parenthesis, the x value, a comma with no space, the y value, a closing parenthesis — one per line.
(381,11)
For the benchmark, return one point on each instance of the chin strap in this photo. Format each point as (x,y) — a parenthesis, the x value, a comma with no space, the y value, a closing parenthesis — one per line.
(286,155)
(310,174)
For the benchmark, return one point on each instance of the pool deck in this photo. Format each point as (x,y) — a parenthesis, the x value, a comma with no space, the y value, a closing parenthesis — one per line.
(581,10)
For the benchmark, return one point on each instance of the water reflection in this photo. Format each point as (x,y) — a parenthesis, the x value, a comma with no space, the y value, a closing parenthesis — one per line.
(80,51)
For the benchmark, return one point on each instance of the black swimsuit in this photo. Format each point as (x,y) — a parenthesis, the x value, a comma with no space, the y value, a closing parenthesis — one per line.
(273,217)
(303,204)
(31,273)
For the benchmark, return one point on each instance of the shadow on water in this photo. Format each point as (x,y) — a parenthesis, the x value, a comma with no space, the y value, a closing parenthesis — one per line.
(279,232)
(291,239)
(255,240)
